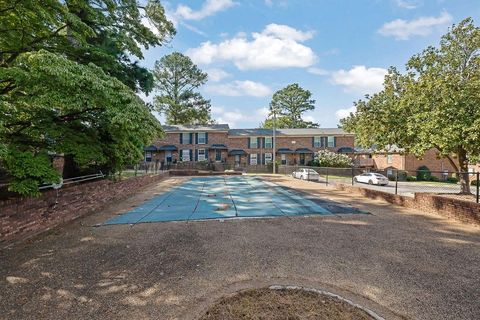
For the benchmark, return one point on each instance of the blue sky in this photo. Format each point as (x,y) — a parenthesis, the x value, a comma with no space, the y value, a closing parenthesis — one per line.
(337,49)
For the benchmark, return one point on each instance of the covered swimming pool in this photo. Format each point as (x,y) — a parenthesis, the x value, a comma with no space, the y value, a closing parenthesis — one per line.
(224,197)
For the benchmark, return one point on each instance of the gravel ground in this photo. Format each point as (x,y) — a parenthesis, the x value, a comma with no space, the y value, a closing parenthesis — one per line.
(400,263)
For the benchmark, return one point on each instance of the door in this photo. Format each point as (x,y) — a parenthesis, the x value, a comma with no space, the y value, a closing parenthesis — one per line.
(168,156)
(237,160)
(302,159)
(218,155)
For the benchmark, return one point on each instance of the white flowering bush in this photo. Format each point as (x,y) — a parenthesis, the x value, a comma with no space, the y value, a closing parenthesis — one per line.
(325,158)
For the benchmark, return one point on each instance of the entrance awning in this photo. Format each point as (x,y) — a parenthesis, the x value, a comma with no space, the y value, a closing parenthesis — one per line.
(150,148)
(285,151)
(304,151)
(346,150)
(218,147)
(168,147)
(237,152)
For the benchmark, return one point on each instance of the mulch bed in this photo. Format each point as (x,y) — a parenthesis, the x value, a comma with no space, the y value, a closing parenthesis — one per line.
(289,304)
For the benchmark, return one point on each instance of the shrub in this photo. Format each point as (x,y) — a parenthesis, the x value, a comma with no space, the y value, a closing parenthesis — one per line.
(325,158)
(423,173)
(434,179)
(411,178)
(452,180)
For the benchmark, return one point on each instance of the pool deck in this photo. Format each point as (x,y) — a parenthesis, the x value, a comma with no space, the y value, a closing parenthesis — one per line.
(400,263)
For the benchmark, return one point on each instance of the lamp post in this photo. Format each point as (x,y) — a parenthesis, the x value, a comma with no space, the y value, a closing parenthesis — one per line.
(273,139)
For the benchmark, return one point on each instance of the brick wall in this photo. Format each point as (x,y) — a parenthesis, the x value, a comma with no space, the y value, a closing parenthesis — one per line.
(462,210)
(24,217)
(429,159)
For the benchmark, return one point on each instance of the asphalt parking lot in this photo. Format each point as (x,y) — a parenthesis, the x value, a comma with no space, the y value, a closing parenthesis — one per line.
(400,263)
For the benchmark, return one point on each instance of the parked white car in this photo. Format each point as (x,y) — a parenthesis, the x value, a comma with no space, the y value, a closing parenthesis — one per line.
(372,178)
(306,174)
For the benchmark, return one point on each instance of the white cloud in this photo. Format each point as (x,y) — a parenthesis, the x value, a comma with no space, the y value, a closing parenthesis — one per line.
(277,46)
(318,71)
(240,88)
(402,29)
(234,115)
(343,113)
(407,4)
(209,7)
(360,79)
(217,74)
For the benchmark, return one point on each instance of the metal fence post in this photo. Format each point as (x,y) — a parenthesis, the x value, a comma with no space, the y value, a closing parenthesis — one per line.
(326,182)
(478,187)
(352,176)
(396,182)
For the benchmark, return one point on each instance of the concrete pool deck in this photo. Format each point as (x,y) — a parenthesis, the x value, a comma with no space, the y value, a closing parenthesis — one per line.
(400,263)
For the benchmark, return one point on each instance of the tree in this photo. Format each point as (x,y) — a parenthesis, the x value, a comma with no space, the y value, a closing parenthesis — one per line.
(176,79)
(289,104)
(54,99)
(436,104)
(326,158)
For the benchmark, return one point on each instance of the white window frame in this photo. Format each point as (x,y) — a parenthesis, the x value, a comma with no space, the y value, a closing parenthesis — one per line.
(268,157)
(317,142)
(201,157)
(253,159)
(268,145)
(184,140)
(186,155)
(204,138)
(148,155)
(255,144)
(331,141)
(283,158)
(389,158)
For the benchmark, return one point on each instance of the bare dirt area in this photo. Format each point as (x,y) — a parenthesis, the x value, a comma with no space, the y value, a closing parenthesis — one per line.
(276,304)
(397,262)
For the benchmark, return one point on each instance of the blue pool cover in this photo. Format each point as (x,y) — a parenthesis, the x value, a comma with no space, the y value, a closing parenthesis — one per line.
(221,197)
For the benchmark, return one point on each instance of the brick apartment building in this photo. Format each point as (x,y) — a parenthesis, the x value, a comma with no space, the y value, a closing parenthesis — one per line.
(241,147)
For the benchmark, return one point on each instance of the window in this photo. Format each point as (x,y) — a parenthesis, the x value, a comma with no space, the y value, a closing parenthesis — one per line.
(283,157)
(317,142)
(389,158)
(202,138)
(389,172)
(201,154)
(185,155)
(268,143)
(148,156)
(186,138)
(253,158)
(253,143)
(331,141)
(268,157)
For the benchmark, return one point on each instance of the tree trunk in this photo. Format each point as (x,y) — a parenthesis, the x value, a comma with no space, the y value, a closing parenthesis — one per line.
(463,174)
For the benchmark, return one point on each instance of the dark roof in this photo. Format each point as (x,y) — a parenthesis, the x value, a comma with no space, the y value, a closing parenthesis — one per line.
(168,147)
(287,132)
(285,150)
(237,152)
(303,150)
(150,148)
(196,127)
(218,146)
(346,150)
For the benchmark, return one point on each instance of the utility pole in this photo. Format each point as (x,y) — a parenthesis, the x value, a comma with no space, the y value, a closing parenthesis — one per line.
(274,144)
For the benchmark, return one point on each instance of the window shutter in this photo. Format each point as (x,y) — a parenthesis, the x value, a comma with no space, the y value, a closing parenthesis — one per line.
(180,155)
(248,147)
(181,138)
(191,155)
(206,154)
(248,159)
(313,142)
(259,140)
(191,138)
(196,154)
(334,141)
(196,138)
(263,158)
(206,138)
(263,142)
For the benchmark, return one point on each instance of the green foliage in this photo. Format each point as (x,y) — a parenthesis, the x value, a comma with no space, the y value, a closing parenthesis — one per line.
(435,104)
(434,179)
(177,78)
(424,173)
(326,158)
(289,104)
(452,180)
(411,178)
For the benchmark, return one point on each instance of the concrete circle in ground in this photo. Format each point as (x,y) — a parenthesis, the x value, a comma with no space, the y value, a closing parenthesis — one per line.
(289,302)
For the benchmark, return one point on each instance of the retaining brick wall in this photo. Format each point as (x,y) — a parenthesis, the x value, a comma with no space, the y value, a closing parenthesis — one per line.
(462,210)
(24,217)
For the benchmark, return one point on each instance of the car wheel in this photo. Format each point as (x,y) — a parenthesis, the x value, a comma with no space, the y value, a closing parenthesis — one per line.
(370,182)
(302,178)
(355,180)
(293,175)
